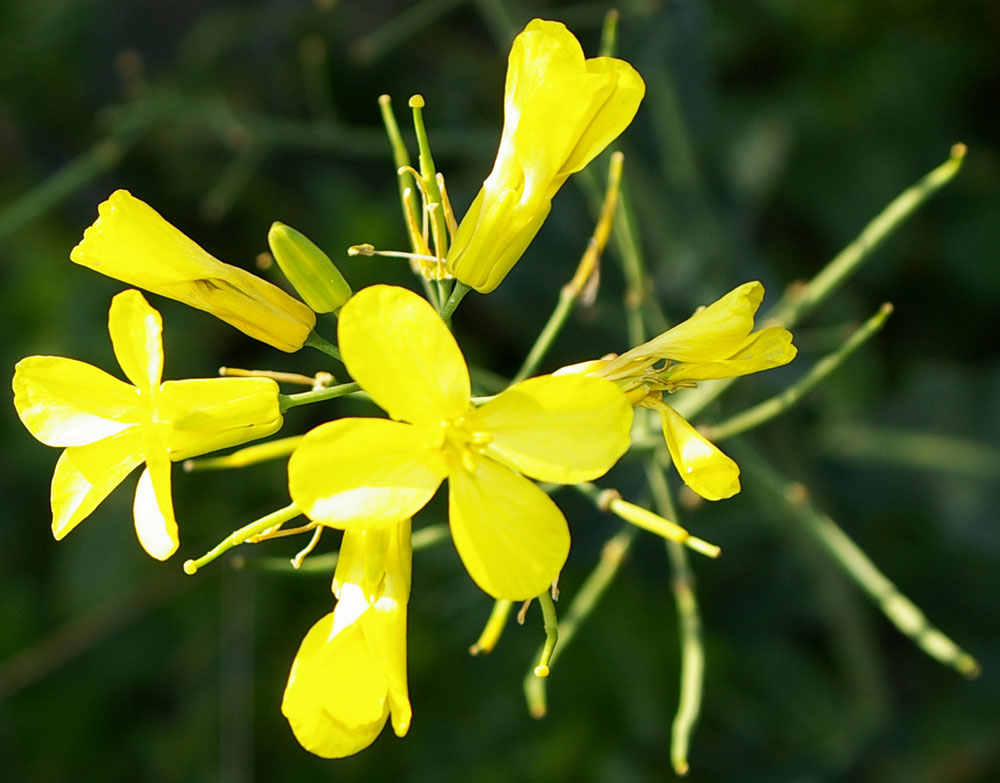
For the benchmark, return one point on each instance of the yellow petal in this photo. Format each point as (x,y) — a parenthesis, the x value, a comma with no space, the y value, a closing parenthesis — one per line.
(763,350)
(335,701)
(699,462)
(511,537)
(137,336)
(358,472)
(85,475)
(402,354)
(208,414)
(64,402)
(713,333)
(563,429)
(153,509)
(560,111)
(378,561)
(131,242)
(616,112)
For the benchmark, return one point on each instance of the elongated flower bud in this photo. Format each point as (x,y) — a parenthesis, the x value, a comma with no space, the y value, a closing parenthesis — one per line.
(308,269)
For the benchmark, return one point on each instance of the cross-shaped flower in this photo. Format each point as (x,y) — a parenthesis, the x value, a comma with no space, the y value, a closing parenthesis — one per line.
(360,472)
(109,427)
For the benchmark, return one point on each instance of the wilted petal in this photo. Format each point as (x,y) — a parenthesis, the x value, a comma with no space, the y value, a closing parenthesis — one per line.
(511,537)
(85,475)
(64,402)
(360,472)
(713,333)
(400,352)
(700,463)
(137,337)
(763,350)
(563,429)
(131,242)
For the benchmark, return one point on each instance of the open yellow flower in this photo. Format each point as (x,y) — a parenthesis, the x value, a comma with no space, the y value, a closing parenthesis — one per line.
(131,242)
(716,342)
(349,674)
(361,472)
(560,111)
(109,427)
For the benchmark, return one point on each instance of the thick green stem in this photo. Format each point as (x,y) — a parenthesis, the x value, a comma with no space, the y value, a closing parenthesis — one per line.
(322,345)
(287,401)
(457,294)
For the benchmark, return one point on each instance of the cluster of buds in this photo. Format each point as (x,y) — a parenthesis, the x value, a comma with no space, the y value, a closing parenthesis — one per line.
(368,477)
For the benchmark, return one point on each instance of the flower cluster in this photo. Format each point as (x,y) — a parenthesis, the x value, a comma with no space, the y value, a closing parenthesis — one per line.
(368,477)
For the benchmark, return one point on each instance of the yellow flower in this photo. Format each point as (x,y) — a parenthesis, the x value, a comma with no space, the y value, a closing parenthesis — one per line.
(560,112)
(109,427)
(350,671)
(361,472)
(131,242)
(716,342)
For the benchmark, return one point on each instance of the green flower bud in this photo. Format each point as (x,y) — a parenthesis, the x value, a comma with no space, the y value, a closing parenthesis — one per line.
(308,269)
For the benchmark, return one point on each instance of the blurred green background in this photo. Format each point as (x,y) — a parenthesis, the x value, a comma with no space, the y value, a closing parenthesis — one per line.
(771,133)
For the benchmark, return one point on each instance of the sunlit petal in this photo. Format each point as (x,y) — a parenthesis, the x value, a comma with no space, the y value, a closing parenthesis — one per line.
(64,402)
(335,700)
(402,354)
(563,429)
(511,537)
(356,472)
(85,475)
(700,463)
(153,509)
(137,337)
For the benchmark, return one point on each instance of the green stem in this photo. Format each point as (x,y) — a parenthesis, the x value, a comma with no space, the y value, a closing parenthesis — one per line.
(585,271)
(401,157)
(900,610)
(609,33)
(323,345)
(692,676)
(428,172)
(238,537)
(326,563)
(581,607)
(800,301)
(287,401)
(920,450)
(551,634)
(769,409)
(457,294)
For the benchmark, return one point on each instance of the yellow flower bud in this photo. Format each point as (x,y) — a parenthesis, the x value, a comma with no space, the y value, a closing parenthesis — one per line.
(308,269)
(131,242)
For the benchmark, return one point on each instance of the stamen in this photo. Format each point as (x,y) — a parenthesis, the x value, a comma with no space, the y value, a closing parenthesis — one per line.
(297,560)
